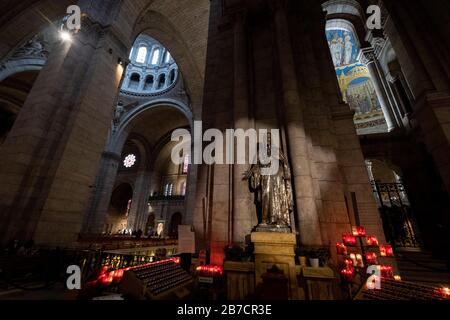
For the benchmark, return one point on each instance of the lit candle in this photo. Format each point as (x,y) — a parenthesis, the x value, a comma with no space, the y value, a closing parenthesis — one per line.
(372,241)
(445,292)
(347,274)
(353,258)
(359,261)
(341,248)
(386,250)
(349,240)
(359,231)
(371,258)
(387,272)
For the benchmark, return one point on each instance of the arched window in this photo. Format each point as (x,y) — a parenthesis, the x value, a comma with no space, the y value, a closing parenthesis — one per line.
(168,190)
(155,57)
(172,76)
(161,81)
(185,164)
(134,81)
(149,83)
(168,57)
(131,53)
(141,55)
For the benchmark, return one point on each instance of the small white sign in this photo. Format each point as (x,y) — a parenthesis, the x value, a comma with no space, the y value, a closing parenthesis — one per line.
(206,280)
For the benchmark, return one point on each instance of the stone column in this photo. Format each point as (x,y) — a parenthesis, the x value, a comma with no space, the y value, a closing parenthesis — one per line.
(141,83)
(141,193)
(52,154)
(307,215)
(367,57)
(101,194)
(242,204)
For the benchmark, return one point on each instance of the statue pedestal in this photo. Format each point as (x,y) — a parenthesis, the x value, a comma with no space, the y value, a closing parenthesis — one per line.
(276,249)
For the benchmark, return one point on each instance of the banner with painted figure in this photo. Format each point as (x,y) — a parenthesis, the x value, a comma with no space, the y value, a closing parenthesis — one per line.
(355,82)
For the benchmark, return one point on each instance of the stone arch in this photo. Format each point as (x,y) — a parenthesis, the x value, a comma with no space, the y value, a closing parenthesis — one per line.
(15,28)
(170,34)
(119,137)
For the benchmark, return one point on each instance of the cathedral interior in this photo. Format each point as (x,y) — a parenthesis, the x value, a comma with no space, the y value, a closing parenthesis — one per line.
(359,91)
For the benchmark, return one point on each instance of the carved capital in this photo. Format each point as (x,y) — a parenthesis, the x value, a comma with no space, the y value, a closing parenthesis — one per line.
(367,56)
(112,156)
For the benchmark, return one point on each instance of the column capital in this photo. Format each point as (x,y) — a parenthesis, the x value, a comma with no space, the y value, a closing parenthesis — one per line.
(367,55)
(111,155)
(377,39)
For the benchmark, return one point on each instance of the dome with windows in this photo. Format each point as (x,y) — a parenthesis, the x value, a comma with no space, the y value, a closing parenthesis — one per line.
(151,69)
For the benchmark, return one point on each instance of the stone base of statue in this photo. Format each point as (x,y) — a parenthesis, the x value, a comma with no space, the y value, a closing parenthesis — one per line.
(272,228)
(276,250)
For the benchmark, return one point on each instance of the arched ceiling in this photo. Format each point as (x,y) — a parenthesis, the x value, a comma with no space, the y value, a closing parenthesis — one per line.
(157,122)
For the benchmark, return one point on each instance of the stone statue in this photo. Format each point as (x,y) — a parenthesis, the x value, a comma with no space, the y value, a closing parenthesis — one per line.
(273,193)
(120,110)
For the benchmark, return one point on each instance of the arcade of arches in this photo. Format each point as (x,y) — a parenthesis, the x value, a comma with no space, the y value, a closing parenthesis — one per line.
(85,125)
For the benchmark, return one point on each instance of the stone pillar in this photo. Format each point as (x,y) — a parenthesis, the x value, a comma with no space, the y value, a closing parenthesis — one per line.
(101,195)
(242,204)
(141,83)
(367,57)
(307,215)
(155,82)
(139,208)
(53,152)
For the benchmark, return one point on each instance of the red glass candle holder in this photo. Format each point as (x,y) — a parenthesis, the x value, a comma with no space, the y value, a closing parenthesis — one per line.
(387,272)
(386,250)
(210,270)
(372,241)
(349,240)
(348,274)
(348,263)
(359,231)
(371,258)
(341,248)
(444,292)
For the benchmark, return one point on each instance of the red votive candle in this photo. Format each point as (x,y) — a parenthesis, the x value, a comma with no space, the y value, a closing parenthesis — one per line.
(372,241)
(386,250)
(347,274)
(371,258)
(387,272)
(349,240)
(341,248)
(359,231)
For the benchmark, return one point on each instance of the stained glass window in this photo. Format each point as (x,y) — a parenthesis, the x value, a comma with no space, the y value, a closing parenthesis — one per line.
(129,161)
